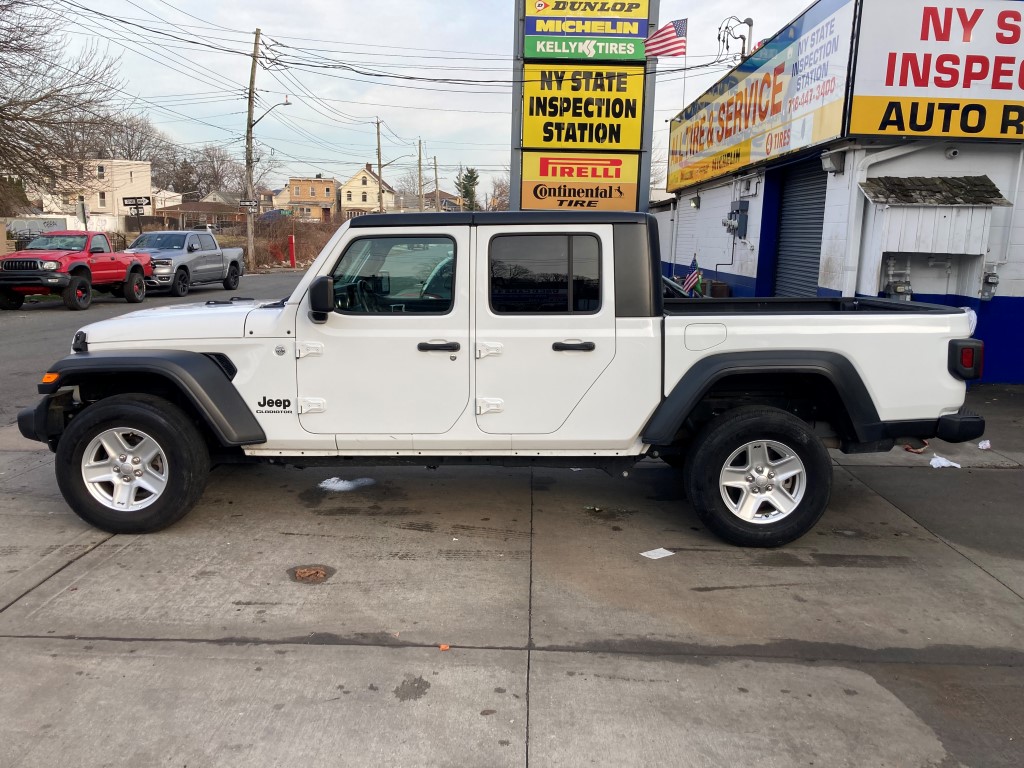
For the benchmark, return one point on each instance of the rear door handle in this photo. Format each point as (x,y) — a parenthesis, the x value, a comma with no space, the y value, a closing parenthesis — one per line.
(568,346)
(447,346)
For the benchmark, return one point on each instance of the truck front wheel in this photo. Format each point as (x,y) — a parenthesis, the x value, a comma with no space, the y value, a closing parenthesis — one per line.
(78,293)
(179,284)
(11,300)
(131,464)
(758,477)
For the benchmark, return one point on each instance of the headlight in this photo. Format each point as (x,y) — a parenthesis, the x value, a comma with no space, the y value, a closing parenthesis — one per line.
(161,262)
(51,265)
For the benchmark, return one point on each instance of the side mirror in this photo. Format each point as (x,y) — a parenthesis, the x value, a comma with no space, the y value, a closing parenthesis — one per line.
(192,247)
(321,298)
(97,249)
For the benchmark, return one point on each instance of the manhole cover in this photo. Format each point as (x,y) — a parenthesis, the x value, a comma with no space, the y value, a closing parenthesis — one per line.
(311,574)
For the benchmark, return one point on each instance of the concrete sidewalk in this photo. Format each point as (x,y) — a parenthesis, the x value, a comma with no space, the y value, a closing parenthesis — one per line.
(893,634)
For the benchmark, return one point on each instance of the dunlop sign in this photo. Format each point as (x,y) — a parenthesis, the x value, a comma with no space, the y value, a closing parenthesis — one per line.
(583,106)
(941,70)
(590,181)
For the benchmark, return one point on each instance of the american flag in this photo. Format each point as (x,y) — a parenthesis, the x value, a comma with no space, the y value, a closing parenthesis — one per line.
(692,277)
(670,40)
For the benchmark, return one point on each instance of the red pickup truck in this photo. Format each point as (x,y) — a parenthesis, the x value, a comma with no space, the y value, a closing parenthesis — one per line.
(72,264)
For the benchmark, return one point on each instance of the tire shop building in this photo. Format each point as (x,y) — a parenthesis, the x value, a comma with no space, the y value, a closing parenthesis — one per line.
(870,148)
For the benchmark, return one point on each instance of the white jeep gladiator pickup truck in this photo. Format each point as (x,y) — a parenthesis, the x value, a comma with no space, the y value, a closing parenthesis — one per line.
(503,338)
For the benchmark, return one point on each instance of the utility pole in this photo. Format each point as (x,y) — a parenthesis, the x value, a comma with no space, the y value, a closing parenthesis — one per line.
(380,172)
(420,163)
(250,194)
(437,189)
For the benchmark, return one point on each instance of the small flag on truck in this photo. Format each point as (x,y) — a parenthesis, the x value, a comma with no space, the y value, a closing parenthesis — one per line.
(691,283)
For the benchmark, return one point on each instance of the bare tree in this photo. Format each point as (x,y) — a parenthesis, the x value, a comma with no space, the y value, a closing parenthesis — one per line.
(500,188)
(53,103)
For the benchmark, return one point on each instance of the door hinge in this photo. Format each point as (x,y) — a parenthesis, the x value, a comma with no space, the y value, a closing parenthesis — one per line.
(312,405)
(489,405)
(485,348)
(307,348)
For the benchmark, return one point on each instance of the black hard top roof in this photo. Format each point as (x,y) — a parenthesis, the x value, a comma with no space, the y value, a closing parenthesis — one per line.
(498,218)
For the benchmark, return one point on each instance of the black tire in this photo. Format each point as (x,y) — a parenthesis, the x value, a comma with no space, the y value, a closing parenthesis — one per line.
(11,300)
(78,293)
(734,484)
(179,284)
(134,289)
(231,281)
(173,458)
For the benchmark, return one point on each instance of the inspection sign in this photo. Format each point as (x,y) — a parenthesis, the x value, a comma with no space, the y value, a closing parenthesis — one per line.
(583,106)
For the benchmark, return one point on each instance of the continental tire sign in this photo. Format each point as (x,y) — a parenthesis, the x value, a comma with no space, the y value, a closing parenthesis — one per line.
(586,181)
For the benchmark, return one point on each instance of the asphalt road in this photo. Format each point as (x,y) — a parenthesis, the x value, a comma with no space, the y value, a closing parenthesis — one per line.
(481,616)
(41,331)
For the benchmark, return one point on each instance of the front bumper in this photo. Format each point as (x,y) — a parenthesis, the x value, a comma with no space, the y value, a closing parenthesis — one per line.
(37,278)
(44,422)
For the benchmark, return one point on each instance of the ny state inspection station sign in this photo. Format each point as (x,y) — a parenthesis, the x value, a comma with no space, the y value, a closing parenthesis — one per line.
(607,30)
(583,106)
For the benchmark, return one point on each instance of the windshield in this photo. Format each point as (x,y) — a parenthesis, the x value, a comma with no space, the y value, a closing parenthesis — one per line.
(57,243)
(160,241)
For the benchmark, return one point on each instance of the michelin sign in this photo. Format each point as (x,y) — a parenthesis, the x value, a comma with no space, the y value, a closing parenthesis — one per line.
(601,31)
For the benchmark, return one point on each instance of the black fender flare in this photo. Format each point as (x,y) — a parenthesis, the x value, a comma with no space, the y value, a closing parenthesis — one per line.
(663,425)
(198,377)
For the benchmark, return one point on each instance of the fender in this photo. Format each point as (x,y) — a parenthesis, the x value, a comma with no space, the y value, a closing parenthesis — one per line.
(198,377)
(662,427)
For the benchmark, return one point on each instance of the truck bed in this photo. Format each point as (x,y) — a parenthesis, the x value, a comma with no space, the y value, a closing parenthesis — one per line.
(809,306)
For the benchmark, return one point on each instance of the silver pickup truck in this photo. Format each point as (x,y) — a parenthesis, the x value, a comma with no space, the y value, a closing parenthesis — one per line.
(184,258)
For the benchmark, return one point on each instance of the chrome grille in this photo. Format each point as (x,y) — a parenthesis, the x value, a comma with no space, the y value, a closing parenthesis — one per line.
(21,264)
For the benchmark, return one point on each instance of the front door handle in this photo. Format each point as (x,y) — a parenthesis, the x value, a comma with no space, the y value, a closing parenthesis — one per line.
(446,346)
(569,346)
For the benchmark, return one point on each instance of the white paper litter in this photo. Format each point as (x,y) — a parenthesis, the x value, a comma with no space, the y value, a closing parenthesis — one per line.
(657,554)
(939,462)
(338,485)
(985,445)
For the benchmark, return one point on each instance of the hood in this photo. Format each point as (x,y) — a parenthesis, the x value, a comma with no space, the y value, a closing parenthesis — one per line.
(157,252)
(41,255)
(171,323)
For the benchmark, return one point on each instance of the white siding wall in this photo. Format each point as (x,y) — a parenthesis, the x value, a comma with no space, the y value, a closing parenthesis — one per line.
(700,231)
(1005,238)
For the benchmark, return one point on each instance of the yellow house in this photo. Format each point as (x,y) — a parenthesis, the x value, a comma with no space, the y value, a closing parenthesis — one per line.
(313,199)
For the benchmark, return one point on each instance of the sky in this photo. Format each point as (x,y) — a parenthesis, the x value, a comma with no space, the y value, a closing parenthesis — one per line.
(430,71)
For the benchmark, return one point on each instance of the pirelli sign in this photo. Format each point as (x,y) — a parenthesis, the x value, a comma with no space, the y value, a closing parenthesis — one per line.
(580,181)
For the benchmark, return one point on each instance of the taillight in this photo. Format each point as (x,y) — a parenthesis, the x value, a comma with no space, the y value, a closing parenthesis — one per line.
(966,358)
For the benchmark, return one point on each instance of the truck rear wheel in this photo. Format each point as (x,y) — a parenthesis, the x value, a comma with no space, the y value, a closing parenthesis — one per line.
(231,281)
(179,284)
(78,293)
(758,477)
(134,288)
(11,300)
(131,464)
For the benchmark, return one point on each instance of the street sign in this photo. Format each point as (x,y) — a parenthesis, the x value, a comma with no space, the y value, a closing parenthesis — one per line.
(248,203)
(129,201)
(137,210)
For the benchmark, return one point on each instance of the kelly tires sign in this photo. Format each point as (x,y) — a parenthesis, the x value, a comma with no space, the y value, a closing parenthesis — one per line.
(940,70)
(580,181)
